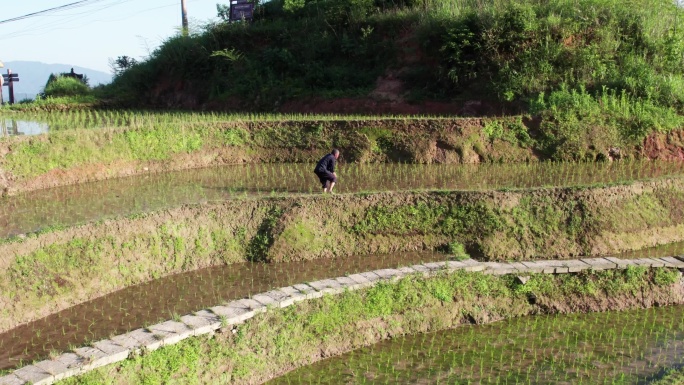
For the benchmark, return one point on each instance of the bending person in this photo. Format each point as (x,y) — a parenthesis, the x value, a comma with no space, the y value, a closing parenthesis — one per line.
(325,170)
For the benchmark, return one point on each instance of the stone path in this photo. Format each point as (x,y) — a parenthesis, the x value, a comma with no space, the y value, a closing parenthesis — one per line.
(205,321)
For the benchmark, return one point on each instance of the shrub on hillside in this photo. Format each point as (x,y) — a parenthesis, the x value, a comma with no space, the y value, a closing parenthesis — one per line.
(519,49)
(576,120)
(333,11)
(65,86)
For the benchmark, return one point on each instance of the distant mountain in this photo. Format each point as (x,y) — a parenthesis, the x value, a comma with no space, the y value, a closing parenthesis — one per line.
(33,76)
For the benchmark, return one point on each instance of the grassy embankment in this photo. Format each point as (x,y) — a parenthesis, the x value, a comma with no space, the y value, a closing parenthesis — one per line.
(162,142)
(47,272)
(166,137)
(283,339)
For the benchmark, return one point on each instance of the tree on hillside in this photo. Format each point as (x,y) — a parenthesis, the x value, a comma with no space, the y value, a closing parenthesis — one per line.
(121,64)
(223,12)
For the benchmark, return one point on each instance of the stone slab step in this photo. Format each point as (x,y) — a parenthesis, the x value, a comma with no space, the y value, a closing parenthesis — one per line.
(34,375)
(677,262)
(600,263)
(11,379)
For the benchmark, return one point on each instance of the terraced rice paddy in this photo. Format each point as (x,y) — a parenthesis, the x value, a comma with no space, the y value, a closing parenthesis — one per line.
(600,348)
(94,119)
(98,119)
(70,205)
(626,347)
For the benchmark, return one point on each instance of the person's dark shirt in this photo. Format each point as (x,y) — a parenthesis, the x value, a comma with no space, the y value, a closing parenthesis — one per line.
(327,163)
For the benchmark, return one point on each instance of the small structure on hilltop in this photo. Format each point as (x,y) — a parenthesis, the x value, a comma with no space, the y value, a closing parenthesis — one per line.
(82,78)
(72,74)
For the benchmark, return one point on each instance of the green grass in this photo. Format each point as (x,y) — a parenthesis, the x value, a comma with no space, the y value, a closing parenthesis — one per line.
(573,121)
(73,148)
(457,251)
(85,266)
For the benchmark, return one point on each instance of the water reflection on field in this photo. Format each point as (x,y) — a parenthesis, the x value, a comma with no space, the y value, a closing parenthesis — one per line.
(69,205)
(12,127)
(597,348)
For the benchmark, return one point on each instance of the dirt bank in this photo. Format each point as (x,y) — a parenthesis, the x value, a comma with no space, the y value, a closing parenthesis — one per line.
(77,156)
(48,272)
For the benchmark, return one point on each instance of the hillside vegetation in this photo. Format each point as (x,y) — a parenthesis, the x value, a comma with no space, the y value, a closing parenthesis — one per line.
(445,49)
(608,69)
(586,79)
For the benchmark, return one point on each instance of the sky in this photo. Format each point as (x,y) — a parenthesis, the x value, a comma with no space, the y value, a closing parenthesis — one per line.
(95,31)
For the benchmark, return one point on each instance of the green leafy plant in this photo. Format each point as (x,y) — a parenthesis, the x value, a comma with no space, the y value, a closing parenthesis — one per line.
(457,251)
(61,86)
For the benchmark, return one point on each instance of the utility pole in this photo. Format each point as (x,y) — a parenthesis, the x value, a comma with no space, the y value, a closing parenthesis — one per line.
(184,12)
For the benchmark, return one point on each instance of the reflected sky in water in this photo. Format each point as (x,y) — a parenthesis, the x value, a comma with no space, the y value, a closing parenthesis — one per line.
(11,127)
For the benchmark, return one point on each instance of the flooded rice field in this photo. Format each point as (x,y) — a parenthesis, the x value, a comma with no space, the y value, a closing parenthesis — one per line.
(532,350)
(180,294)
(70,205)
(626,347)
